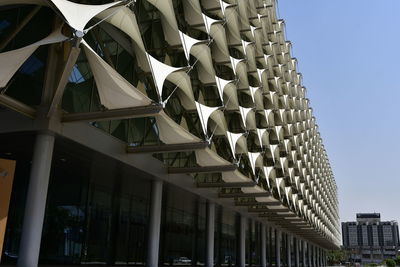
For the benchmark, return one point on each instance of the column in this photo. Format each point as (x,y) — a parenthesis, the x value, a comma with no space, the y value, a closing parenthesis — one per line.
(154,223)
(314,256)
(278,247)
(320,257)
(36,201)
(263,253)
(297,255)
(242,241)
(289,250)
(304,253)
(210,234)
(309,255)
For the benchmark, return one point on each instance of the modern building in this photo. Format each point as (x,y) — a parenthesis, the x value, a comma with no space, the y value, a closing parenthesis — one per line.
(145,132)
(369,240)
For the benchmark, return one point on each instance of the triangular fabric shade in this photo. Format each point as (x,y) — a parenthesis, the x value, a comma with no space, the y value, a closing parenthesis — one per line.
(273,148)
(253,92)
(204,114)
(278,182)
(160,72)
(78,15)
(114,91)
(172,133)
(221,84)
(207,157)
(208,22)
(235,176)
(260,134)
(245,44)
(244,112)
(124,19)
(185,92)
(169,24)
(14,59)
(253,158)
(233,139)
(235,62)
(224,6)
(188,42)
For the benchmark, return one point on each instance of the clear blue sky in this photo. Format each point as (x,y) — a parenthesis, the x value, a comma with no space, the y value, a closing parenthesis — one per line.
(348,52)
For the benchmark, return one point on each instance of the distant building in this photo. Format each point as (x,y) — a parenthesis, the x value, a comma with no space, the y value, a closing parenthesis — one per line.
(369,240)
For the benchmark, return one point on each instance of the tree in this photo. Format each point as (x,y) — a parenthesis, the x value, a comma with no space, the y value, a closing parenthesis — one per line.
(337,256)
(397,260)
(390,263)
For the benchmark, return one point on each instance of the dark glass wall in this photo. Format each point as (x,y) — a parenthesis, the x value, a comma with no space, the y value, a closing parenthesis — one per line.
(96,212)
(225,237)
(182,228)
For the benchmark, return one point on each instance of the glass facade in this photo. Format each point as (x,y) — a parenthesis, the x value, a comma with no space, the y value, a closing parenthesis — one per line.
(98,210)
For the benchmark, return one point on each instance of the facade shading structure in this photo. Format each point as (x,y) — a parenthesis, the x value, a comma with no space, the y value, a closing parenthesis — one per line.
(137,123)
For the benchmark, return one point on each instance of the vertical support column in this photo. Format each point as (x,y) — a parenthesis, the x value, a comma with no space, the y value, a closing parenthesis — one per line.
(242,241)
(36,201)
(304,253)
(309,246)
(289,250)
(320,257)
(314,256)
(278,238)
(210,234)
(296,254)
(263,253)
(154,224)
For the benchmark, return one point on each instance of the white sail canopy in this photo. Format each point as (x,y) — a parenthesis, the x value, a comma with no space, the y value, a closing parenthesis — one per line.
(188,42)
(114,91)
(204,114)
(12,60)
(78,15)
(160,72)
(207,157)
(172,133)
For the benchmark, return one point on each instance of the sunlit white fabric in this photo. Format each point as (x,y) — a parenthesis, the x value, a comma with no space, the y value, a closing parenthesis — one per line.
(160,72)
(204,114)
(78,15)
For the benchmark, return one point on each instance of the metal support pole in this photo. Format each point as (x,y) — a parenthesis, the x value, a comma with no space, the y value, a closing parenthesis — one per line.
(154,223)
(304,253)
(242,241)
(297,254)
(278,248)
(36,201)
(263,253)
(289,250)
(210,224)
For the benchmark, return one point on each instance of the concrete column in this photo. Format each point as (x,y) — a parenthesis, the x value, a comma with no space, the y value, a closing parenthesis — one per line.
(289,250)
(304,253)
(314,256)
(310,255)
(36,201)
(320,257)
(154,223)
(242,241)
(278,238)
(296,253)
(263,253)
(210,223)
